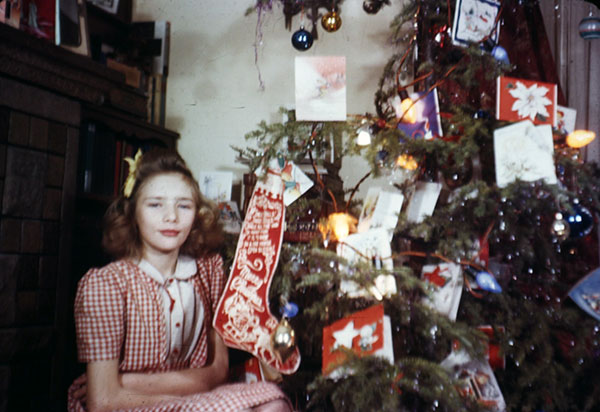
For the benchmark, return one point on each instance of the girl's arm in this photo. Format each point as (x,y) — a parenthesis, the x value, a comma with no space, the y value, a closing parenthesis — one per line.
(108,390)
(186,381)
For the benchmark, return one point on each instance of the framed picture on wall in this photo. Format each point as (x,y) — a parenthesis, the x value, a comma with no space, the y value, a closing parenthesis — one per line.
(74,33)
(110,6)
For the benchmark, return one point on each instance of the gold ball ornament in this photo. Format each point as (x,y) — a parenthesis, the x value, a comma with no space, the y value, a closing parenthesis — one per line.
(331,21)
(283,340)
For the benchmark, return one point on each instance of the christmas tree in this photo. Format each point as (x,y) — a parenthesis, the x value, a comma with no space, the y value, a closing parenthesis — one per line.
(492,241)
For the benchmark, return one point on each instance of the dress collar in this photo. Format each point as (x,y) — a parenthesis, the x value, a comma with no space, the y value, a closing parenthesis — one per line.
(185,269)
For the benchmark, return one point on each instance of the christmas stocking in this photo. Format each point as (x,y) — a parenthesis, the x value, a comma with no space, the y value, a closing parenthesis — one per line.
(243,318)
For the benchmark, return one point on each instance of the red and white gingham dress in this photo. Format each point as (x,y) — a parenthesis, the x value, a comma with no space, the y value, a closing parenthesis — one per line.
(119,315)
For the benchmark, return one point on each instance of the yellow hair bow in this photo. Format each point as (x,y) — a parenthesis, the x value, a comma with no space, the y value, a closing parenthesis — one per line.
(133,165)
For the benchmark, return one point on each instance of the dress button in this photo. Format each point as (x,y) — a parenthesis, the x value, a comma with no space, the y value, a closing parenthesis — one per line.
(175,351)
(177,324)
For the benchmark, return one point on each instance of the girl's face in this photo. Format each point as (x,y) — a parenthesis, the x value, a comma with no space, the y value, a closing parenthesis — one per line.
(165,213)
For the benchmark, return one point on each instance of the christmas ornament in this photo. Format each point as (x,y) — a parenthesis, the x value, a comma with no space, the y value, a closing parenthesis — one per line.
(580,138)
(586,293)
(302,40)
(289,310)
(242,316)
(487,281)
(283,340)
(331,21)
(458,175)
(589,28)
(560,227)
(580,221)
(500,54)
(372,6)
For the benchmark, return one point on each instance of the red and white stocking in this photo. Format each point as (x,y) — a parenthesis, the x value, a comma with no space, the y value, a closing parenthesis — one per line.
(243,318)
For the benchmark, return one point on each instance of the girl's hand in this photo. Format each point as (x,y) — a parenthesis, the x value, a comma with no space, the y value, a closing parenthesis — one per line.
(81,393)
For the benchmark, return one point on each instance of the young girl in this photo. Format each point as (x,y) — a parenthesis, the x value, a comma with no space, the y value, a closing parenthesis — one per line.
(144,321)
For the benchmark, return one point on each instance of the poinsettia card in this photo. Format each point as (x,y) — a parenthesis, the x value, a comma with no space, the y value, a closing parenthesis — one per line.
(474,20)
(367,332)
(446,283)
(519,99)
(525,152)
(586,293)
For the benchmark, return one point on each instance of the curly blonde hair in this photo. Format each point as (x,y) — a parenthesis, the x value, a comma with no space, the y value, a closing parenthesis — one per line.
(121,237)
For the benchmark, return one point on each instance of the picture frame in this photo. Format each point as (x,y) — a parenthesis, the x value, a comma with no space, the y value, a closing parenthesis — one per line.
(77,30)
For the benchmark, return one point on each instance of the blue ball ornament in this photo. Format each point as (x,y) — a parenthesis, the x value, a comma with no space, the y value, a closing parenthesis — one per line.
(487,281)
(289,310)
(302,39)
(589,28)
(580,221)
(500,54)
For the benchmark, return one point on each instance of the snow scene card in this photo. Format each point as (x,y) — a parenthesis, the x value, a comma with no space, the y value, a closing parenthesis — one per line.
(367,332)
(525,152)
(475,20)
(230,217)
(446,281)
(565,119)
(296,182)
(427,122)
(320,88)
(371,246)
(586,293)
(423,201)
(380,210)
(519,99)
(475,379)
(215,185)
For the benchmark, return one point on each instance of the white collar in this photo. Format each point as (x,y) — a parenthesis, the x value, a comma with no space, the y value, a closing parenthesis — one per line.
(184,269)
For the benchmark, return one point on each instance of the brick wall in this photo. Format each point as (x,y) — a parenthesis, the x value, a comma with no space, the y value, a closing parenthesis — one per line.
(33,161)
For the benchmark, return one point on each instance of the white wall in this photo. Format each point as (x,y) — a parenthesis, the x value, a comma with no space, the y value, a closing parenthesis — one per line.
(213,94)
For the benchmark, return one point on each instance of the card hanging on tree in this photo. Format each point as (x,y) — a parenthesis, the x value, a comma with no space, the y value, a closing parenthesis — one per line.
(474,21)
(494,356)
(565,119)
(371,246)
(367,332)
(423,201)
(296,183)
(320,88)
(446,281)
(586,293)
(475,379)
(519,99)
(421,120)
(230,217)
(380,210)
(525,152)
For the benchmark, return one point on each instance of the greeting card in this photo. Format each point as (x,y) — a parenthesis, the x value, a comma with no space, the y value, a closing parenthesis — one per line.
(525,152)
(380,210)
(215,185)
(367,332)
(519,99)
(424,120)
(446,283)
(565,119)
(495,358)
(295,181)
(586,293)
(475,379)
(423,200)
(320,88)
(230,217)
(475,20)
(371,246)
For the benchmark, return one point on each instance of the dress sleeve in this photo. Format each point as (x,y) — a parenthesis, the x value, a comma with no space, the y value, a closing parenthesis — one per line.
(217,280)
(99,316)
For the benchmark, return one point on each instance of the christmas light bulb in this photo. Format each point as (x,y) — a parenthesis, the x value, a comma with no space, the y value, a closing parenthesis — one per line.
(407,162)
(408,110)
(363,138)
(580,138)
